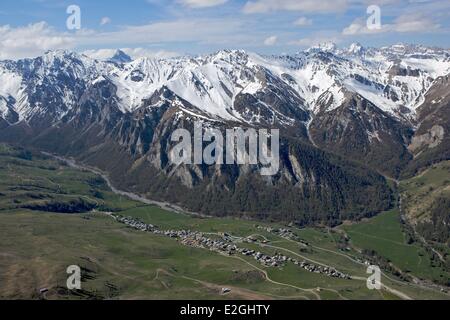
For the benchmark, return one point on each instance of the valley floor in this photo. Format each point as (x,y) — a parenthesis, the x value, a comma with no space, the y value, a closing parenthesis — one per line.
(53,215)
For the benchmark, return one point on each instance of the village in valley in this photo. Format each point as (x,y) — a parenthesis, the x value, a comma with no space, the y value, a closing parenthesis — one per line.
(225,243)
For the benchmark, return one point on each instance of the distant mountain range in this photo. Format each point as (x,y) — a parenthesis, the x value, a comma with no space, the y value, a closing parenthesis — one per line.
(350,119)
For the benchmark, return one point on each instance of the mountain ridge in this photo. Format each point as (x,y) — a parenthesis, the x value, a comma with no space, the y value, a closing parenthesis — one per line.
(344,115)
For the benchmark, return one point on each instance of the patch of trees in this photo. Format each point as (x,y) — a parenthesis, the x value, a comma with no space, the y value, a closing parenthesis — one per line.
(97,182)
(25,155)
(385,264)
(427,159)
(408,231)
(97,194)
(438,228)
(78,205)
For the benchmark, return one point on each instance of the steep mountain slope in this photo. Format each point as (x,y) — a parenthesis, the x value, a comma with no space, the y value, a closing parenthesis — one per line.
(431,142)
(360,106)
(361,131)
(425,202)
(365,101)
(311,186)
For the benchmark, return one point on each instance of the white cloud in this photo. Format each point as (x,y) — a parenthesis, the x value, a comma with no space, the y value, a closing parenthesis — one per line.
(303,21)
(134,53)
(323,6)
(143,52)
(100,54)
(315,41)
(202,3)
(403,24)
(105,20)
(271,41)
(203,31)
(35,39)
(417,23)
(31,40)
(359,26)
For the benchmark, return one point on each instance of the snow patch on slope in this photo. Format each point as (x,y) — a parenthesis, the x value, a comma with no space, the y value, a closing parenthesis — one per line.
(11,84)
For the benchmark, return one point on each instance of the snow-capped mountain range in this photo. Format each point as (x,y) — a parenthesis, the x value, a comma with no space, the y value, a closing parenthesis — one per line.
(346,117)
(395,79)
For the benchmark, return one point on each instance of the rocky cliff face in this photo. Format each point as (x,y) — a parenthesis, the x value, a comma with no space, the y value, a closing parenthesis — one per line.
(359,130)
(343,116)
(431,141)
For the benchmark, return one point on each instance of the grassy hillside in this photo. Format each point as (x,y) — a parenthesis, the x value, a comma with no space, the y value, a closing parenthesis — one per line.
(383,238)
(426,202)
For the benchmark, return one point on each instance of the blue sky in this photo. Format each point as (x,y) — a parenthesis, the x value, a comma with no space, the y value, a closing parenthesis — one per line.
(171,27)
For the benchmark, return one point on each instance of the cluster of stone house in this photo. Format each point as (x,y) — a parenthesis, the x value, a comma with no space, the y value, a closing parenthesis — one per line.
(283,233)
(331,272)
(224,244)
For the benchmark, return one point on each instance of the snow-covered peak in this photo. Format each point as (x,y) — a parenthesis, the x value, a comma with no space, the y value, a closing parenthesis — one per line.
(210,83)
(52,55)
(120,57)
(355,48)
(228,55)
(324,47)
(392,78)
